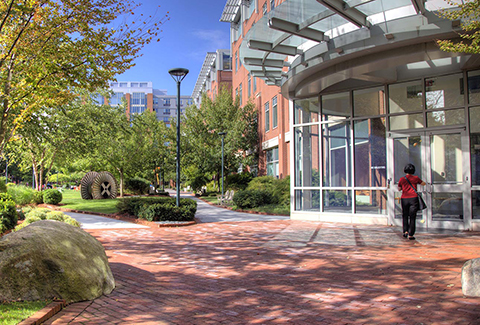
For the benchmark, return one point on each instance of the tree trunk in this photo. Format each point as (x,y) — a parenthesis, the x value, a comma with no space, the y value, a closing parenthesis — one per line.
(121,181)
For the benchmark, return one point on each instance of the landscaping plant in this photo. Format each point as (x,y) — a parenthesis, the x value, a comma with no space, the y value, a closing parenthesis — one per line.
(8,213)
(52,197)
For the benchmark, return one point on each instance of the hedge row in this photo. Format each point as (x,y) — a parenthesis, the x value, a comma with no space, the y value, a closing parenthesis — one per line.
(158,208)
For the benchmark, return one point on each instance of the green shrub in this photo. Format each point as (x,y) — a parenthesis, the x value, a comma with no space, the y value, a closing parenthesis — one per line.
(281,191)
(52,196)
(22,195)
(8,213)
(240,181)
(248,199)
(38,214)
(158,208)
(137,185)
(37,197)
(3,185)
(265,183)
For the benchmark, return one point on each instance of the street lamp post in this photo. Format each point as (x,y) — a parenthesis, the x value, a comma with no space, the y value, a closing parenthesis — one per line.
(178,74)
(223,136)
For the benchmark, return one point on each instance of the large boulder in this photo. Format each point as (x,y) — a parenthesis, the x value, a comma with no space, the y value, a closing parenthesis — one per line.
(51,259)
(471,278)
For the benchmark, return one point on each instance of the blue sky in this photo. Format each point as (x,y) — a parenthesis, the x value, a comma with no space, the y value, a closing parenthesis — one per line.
(193,30)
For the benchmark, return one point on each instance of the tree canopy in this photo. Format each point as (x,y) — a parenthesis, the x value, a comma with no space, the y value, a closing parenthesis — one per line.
(469,13)
(51,48)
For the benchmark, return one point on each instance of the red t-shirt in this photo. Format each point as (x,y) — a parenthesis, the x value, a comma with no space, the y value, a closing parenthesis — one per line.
(407,190)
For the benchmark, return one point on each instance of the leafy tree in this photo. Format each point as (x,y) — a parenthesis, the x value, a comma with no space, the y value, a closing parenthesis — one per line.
(469,13)
(51,48)
(202,144)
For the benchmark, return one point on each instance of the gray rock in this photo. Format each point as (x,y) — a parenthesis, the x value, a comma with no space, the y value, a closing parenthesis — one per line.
(51,259)
(471,278)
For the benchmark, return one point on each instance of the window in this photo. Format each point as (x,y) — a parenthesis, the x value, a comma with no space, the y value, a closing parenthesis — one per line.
(236,61)
(98,99)
(166,102)
(254,84)
(134,84)
(123,84)
(240,93)
(155,101)
(143,84)
(264,8)
(249,85)
(272,5)
(166,111)
(138,103)
(116,99)
(267,116)
(272,162)
(227,61)
(274,113)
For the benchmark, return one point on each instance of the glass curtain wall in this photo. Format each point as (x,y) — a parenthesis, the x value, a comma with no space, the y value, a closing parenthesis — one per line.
(342,169)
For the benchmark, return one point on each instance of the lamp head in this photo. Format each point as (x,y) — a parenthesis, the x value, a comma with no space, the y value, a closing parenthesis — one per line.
(222,133)
(178,74)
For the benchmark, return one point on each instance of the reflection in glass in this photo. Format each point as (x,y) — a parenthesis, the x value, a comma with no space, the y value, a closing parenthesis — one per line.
(307,200)
(370,153)
(446,158)
(405,97)
(474,87)
(404,122)
(336,154)
(447,206)
(371,201)
(369,102)
(444,118)
(306,110)
(476,204)
(337,201)
(444,92)
(336,106)
(407,150)
(307,164)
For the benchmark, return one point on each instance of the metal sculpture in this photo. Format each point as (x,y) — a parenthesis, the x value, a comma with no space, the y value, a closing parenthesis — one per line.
(98,186)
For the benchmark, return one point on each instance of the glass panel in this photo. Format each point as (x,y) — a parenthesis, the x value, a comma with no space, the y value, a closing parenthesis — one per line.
(337,201)
(306,111)
(405,97)
(403,122)
(407,150)
(336,154)
(475,144)
(371,201)
(370,153)
(336,106)
(447,206)
(369,102)
(444,92)
(307,162)
(446,158)
(398,205)
(474,87)
(443,118)
(307,200)
(476,204)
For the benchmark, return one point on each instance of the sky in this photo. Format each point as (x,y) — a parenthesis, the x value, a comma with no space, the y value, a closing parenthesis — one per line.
(193,30)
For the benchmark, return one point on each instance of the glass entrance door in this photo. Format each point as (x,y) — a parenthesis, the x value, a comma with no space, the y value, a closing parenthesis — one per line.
(441,160)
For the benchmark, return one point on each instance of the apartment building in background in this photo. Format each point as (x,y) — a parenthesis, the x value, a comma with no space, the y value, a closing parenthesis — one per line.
(369,91)
(272,107)
(141,96)
(216,72)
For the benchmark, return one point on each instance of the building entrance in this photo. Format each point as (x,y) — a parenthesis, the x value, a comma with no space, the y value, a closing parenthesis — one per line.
(442,160)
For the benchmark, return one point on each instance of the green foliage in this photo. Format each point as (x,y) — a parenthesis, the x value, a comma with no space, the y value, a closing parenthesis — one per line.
(22,195)
(469,14)
(240,181)
(52,196)
(337,198)
(3,185)
(158,208)
(37,214)
(279,188)
(37,197)
(252,198)
(137,185)
(8,213)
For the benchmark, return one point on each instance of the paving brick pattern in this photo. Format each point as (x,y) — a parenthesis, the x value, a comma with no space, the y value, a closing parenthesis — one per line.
(281,272)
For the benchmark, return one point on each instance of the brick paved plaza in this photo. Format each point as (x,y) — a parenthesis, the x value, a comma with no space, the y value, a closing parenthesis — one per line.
(281,272)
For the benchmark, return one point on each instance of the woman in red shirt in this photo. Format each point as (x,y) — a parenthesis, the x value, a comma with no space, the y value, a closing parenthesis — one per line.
(409,200)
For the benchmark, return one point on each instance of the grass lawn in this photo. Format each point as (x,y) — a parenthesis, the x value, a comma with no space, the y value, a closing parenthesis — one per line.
(73,200)
(14,312)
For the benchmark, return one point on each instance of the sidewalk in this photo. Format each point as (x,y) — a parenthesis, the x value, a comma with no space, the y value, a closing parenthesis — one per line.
(280,272)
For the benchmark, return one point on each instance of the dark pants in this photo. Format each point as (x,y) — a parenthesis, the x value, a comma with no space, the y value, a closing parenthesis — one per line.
(409,214)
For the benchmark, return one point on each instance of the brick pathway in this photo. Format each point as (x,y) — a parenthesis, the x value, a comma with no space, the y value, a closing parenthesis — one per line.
(281,272)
